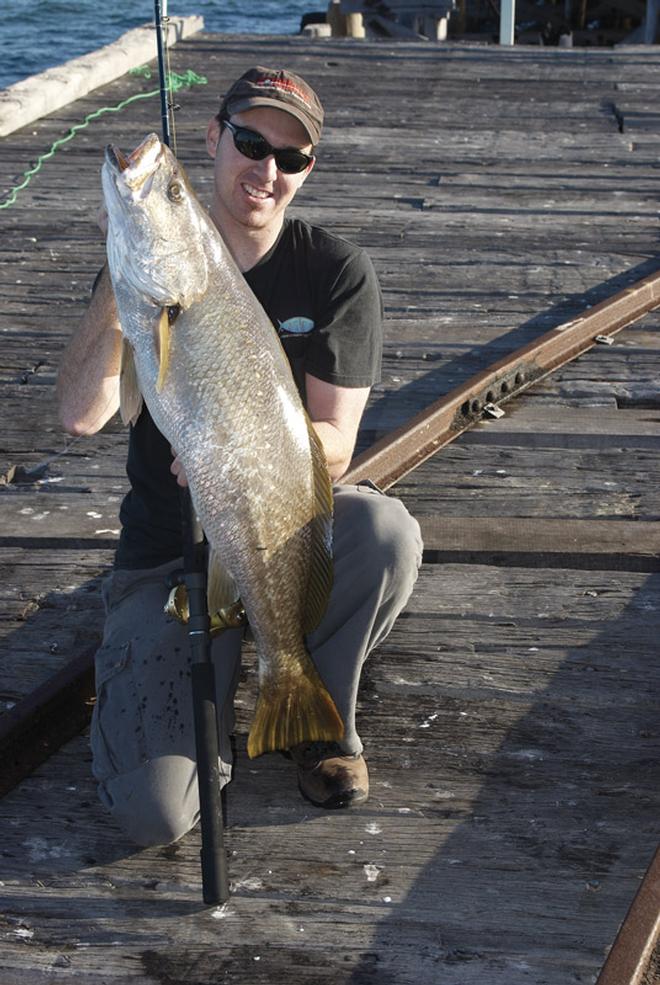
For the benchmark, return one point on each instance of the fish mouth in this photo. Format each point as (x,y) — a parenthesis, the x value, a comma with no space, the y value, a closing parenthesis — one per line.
(138,166)
(115,158)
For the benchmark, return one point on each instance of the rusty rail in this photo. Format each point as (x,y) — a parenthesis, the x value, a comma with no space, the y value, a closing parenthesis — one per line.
(402,450)
(628,958)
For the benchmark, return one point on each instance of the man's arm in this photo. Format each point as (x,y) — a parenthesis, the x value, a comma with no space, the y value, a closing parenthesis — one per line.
(88,377)
(335,412)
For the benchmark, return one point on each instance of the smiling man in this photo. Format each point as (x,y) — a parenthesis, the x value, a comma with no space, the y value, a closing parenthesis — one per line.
(323,298)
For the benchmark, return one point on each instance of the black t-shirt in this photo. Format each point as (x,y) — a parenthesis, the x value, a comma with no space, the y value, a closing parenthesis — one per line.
(322,295)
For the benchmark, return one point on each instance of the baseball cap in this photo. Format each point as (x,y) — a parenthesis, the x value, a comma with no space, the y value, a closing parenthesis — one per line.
(279,89)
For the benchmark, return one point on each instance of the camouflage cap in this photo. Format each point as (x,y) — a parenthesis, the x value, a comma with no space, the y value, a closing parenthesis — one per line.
(279,89)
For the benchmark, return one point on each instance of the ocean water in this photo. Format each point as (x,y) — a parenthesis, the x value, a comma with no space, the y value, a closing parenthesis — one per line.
(37,34)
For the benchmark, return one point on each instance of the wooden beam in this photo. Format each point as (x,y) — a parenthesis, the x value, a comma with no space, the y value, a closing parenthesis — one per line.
(651,21)
(621,545)
(47,718)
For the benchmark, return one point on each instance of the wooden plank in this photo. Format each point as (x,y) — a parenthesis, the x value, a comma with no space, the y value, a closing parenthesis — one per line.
(502,776)
(48,717)
(50,611)
(602,544)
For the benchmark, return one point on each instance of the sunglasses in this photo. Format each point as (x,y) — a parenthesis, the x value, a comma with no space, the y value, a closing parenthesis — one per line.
(251,144)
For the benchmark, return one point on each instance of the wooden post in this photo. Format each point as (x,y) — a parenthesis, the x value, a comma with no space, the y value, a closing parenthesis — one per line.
(462,17)
(336,19)
(434,28)
(583,15)
(507,21)
(355,26)
(651,22)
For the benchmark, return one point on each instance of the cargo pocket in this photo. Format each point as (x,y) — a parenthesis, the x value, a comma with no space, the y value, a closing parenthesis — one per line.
(117,732)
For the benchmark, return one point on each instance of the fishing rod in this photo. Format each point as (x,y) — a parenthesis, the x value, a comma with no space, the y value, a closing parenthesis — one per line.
(160,16)
(215,880)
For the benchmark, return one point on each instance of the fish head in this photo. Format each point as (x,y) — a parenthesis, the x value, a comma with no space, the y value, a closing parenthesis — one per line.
(155,225)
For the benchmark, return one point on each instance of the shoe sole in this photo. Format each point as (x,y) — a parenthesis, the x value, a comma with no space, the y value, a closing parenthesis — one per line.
(351,799)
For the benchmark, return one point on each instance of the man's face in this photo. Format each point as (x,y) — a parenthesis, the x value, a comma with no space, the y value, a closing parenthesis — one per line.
(254,194)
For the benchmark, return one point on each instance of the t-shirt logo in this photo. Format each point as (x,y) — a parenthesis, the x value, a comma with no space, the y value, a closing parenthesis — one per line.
(296,326)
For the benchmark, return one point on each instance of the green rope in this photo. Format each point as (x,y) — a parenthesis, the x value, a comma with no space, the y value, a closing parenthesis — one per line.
(175,82)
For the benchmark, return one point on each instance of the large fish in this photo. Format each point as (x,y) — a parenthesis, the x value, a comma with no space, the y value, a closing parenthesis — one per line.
(209,365)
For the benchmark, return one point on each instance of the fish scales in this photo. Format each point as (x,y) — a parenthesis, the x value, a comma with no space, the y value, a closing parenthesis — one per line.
(219,387)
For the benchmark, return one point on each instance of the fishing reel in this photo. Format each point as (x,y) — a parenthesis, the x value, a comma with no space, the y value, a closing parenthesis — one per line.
(230,617)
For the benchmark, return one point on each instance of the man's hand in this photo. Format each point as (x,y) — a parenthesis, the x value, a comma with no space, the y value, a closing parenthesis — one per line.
(176,468)
(88,375)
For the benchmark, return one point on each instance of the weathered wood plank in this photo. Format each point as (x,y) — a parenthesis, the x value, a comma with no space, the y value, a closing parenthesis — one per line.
(546,543)
(503,783)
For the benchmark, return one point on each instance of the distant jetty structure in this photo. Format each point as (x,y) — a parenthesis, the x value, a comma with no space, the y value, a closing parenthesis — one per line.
(542,22)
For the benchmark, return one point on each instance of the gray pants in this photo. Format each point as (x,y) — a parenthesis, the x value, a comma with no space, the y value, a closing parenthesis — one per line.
(142,732)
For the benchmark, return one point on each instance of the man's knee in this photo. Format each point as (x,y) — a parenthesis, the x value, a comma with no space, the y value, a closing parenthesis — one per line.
(156,804)
(382,531)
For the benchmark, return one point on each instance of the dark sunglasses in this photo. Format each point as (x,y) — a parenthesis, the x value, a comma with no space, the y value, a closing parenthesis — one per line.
(251,144)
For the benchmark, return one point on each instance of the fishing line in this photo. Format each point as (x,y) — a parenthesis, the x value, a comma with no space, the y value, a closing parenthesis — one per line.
(175,82)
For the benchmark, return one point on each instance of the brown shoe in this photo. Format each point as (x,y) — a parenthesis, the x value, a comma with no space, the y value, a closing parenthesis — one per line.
(329,777)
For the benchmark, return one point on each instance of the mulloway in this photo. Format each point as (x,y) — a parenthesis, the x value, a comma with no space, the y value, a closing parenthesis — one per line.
(202,353)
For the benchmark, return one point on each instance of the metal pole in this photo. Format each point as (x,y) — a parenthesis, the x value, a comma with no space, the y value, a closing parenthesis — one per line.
(507,21)
(215,881)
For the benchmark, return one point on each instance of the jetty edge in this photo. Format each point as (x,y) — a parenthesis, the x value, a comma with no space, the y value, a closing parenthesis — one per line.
(34,97)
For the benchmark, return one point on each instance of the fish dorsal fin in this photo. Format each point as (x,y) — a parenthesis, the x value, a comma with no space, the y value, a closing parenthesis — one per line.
(320,580)
(221,588)
(130,398)
(163,344)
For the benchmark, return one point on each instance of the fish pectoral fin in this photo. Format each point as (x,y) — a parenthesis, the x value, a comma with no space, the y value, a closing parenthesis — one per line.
(130,398)
(162,342)
(321,574)
(291,710)
(221,590)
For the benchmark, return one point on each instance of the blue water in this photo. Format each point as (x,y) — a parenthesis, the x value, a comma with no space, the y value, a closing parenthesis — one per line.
(37,34)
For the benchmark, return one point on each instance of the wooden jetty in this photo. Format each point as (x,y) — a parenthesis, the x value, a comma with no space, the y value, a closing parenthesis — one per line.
(511,719)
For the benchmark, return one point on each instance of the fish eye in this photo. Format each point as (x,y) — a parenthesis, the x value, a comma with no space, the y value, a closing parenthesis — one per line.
(175,191)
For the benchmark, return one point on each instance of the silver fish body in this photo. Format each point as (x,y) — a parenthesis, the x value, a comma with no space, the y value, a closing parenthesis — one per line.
(219,388)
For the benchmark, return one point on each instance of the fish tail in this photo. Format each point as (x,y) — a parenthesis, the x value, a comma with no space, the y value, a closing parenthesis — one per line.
(299,709)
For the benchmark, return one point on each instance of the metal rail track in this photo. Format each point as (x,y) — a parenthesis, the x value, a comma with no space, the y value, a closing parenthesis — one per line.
(628,958)
(61,707)
(402,450)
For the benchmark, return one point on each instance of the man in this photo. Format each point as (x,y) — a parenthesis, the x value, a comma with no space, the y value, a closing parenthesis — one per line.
(323,298)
